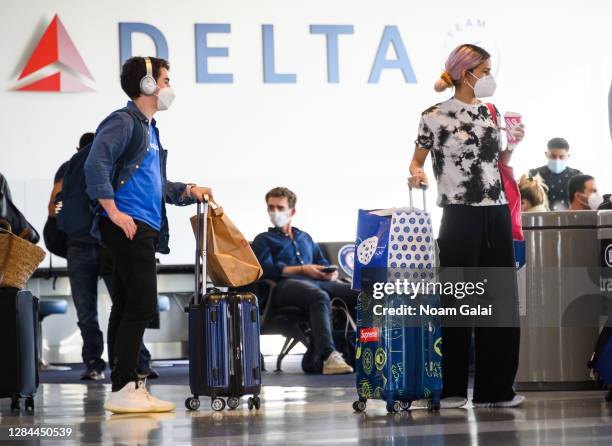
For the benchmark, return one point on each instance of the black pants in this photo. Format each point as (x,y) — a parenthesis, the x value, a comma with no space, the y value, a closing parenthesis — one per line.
(134,296)
(479,236)
(106,272)
(314,296)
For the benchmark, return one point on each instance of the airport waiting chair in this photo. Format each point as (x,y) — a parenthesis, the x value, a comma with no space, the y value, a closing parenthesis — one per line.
(341,254)
(47,307)
(293,322)
(163,303)
(290,322)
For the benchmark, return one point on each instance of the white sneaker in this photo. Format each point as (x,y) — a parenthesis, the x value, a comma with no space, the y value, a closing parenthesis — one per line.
(336,365)
(453,402)
(161,405)
(134,398)
(514,402)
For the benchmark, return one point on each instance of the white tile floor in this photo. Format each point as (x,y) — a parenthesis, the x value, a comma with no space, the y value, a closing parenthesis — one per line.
(298,415)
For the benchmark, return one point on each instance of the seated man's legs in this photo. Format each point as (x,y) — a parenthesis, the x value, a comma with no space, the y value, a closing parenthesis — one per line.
(342,290)
(308,295)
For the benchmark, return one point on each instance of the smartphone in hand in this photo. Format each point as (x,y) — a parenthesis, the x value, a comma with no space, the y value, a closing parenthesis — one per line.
(330,269)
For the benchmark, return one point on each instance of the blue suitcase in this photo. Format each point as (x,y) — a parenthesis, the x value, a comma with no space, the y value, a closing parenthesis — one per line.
(399,358)
(19,351)
(601,360)
(604,363)
(224,354)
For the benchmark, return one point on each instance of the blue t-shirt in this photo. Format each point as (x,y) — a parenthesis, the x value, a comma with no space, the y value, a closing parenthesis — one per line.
(141,196)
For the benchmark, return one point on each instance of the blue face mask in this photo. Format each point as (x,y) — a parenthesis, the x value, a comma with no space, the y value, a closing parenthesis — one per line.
(556,165)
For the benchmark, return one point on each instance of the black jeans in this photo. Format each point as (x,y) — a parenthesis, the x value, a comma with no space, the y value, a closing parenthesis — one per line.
(314,296)
(106,271)
(86,262)
(134,296)
(479,236)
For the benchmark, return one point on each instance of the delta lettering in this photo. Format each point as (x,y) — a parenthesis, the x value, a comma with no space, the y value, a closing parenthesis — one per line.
(391,38)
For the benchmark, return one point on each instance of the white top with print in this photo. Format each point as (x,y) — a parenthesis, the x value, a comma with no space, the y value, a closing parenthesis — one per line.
(465,144)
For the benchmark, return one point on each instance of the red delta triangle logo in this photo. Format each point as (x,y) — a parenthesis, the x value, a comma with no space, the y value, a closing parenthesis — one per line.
(55,48)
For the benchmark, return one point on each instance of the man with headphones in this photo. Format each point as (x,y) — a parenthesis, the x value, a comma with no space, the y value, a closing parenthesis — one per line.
(125,173)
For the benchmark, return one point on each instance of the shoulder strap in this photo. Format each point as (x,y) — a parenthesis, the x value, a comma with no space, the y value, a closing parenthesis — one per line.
(493,111)
(137,139)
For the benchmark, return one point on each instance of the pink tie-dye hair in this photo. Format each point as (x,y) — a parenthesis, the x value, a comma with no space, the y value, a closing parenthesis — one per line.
(464,57)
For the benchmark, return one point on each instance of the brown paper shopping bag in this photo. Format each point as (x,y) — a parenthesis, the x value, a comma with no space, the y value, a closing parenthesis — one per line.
(230,261)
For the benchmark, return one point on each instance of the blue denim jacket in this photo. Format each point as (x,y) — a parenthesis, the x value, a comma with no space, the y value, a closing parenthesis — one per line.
(102,168)
(275,250)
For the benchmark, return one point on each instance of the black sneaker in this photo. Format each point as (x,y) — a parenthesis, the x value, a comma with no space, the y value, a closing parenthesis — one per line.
(92,375)
(148,373)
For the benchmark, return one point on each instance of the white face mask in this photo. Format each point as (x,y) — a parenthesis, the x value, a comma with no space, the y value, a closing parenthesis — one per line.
(484,87)
(594,201)
(280,219)
(165,98)
(556,165)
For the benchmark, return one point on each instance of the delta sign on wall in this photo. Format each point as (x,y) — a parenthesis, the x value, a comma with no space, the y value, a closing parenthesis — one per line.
(55,47)
(391,39)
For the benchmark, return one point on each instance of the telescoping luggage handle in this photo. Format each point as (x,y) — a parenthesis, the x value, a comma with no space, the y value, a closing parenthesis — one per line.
(423,187)
(200,255)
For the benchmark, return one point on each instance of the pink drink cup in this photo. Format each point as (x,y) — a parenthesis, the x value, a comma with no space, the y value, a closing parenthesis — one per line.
(512,120)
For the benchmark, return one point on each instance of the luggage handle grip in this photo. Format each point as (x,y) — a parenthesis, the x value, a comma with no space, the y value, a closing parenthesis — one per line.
(200,254)
(423,186)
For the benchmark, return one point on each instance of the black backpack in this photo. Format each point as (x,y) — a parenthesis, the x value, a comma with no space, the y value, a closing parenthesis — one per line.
(9,212)
(606,203)
(75,210)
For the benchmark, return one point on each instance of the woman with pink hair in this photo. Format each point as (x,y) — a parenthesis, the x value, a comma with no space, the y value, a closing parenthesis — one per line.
(465,145)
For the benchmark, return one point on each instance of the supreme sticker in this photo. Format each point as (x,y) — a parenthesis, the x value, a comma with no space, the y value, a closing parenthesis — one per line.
(368,335)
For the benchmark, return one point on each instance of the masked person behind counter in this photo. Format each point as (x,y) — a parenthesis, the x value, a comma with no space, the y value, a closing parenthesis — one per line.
(556,174)
(582,193)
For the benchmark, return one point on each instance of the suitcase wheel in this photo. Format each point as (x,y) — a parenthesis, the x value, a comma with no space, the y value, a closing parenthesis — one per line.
(394,407)
(29,404)
(405,405)
(433,407)
(233,403)
(217,404)
(192,403)
(359,406)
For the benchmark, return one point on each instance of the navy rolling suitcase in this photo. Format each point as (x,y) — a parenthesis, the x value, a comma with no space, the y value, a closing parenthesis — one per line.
(18,331)
(224,355)
(601,359)
(399,357)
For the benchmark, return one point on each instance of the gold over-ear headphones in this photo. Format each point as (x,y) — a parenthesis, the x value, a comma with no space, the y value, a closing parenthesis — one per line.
(148,85)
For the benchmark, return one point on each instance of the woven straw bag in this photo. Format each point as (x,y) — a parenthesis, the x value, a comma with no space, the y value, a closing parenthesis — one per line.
(18,258)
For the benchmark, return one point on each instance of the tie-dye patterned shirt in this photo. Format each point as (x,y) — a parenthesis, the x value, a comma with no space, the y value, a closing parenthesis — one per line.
(465,145)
